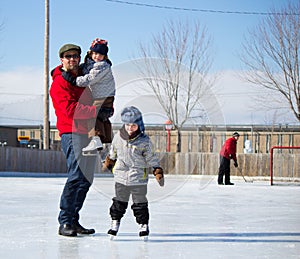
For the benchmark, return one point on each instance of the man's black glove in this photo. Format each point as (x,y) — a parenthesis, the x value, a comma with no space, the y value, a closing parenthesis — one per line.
(69,77)
(235,164)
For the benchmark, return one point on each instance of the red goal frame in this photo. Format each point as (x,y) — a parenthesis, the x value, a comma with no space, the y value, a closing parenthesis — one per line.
(271,158)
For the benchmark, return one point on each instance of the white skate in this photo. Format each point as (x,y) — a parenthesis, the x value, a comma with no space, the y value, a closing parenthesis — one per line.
(95,144)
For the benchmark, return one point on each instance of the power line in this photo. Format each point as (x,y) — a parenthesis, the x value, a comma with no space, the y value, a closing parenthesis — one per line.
(199,10)
(22,94)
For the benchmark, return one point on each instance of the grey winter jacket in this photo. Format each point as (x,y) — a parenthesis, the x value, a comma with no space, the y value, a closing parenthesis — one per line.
(98,77)
(135,158)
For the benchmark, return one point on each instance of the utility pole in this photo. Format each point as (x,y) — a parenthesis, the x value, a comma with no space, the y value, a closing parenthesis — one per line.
(46,79)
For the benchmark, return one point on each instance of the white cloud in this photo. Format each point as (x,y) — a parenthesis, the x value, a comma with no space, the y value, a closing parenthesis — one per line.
(239,101)
(21,96)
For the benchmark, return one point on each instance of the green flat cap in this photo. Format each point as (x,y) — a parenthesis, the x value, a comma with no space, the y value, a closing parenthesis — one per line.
(68,47)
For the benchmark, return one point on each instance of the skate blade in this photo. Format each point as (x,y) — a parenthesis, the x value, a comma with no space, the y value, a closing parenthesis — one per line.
(111,237)
(145,238)
(89,153)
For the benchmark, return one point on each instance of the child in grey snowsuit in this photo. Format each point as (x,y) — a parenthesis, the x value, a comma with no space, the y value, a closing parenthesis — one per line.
(130,157)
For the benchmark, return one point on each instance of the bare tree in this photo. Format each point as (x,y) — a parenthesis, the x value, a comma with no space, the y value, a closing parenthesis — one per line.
(271,55)
(177,62)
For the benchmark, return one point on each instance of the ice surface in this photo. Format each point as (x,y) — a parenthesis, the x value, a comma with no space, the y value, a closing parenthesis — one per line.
(191,217)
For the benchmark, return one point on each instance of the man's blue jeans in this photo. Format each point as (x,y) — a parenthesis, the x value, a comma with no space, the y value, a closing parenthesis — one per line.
(80,177)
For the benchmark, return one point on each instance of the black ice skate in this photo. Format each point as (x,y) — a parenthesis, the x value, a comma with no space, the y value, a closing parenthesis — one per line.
(115,224)
(144,231)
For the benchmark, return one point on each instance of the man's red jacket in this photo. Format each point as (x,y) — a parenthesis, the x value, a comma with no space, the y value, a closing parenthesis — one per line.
(72,104)
(228,149)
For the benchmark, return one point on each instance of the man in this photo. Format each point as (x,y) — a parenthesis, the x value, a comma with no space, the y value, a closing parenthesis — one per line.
(72,109)
(228,152)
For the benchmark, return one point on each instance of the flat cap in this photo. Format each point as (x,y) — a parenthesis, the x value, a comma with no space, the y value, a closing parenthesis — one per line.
(68,47)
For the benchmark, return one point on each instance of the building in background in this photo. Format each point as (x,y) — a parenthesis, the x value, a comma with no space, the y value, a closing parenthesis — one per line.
(205,139)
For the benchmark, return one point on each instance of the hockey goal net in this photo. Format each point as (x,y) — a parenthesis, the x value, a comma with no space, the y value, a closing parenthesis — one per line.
(285,165)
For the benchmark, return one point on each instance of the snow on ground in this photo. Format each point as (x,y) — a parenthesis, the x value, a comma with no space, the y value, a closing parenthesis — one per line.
(191,217)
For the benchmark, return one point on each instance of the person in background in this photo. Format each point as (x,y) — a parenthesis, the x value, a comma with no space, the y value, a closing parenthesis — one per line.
(228,152)
(99,78)
(130,156)
(72,107)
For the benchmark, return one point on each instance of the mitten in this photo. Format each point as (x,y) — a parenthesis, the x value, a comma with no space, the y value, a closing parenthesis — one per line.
(235,164)
(108,62)
(159,175)
(108,164)
(69,77)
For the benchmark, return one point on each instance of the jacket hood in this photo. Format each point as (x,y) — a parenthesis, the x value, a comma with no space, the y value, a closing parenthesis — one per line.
(56,71)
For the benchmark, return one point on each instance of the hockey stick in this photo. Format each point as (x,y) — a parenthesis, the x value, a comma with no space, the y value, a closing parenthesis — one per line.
(247,181)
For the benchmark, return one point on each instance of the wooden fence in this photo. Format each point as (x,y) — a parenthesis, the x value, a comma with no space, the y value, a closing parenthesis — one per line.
(31,160)
(193,163)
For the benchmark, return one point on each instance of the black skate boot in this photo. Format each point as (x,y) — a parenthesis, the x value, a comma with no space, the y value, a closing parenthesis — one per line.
(144,231)
(115,224)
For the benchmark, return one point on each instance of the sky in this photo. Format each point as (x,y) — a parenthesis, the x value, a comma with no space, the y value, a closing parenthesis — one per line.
(125,26)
